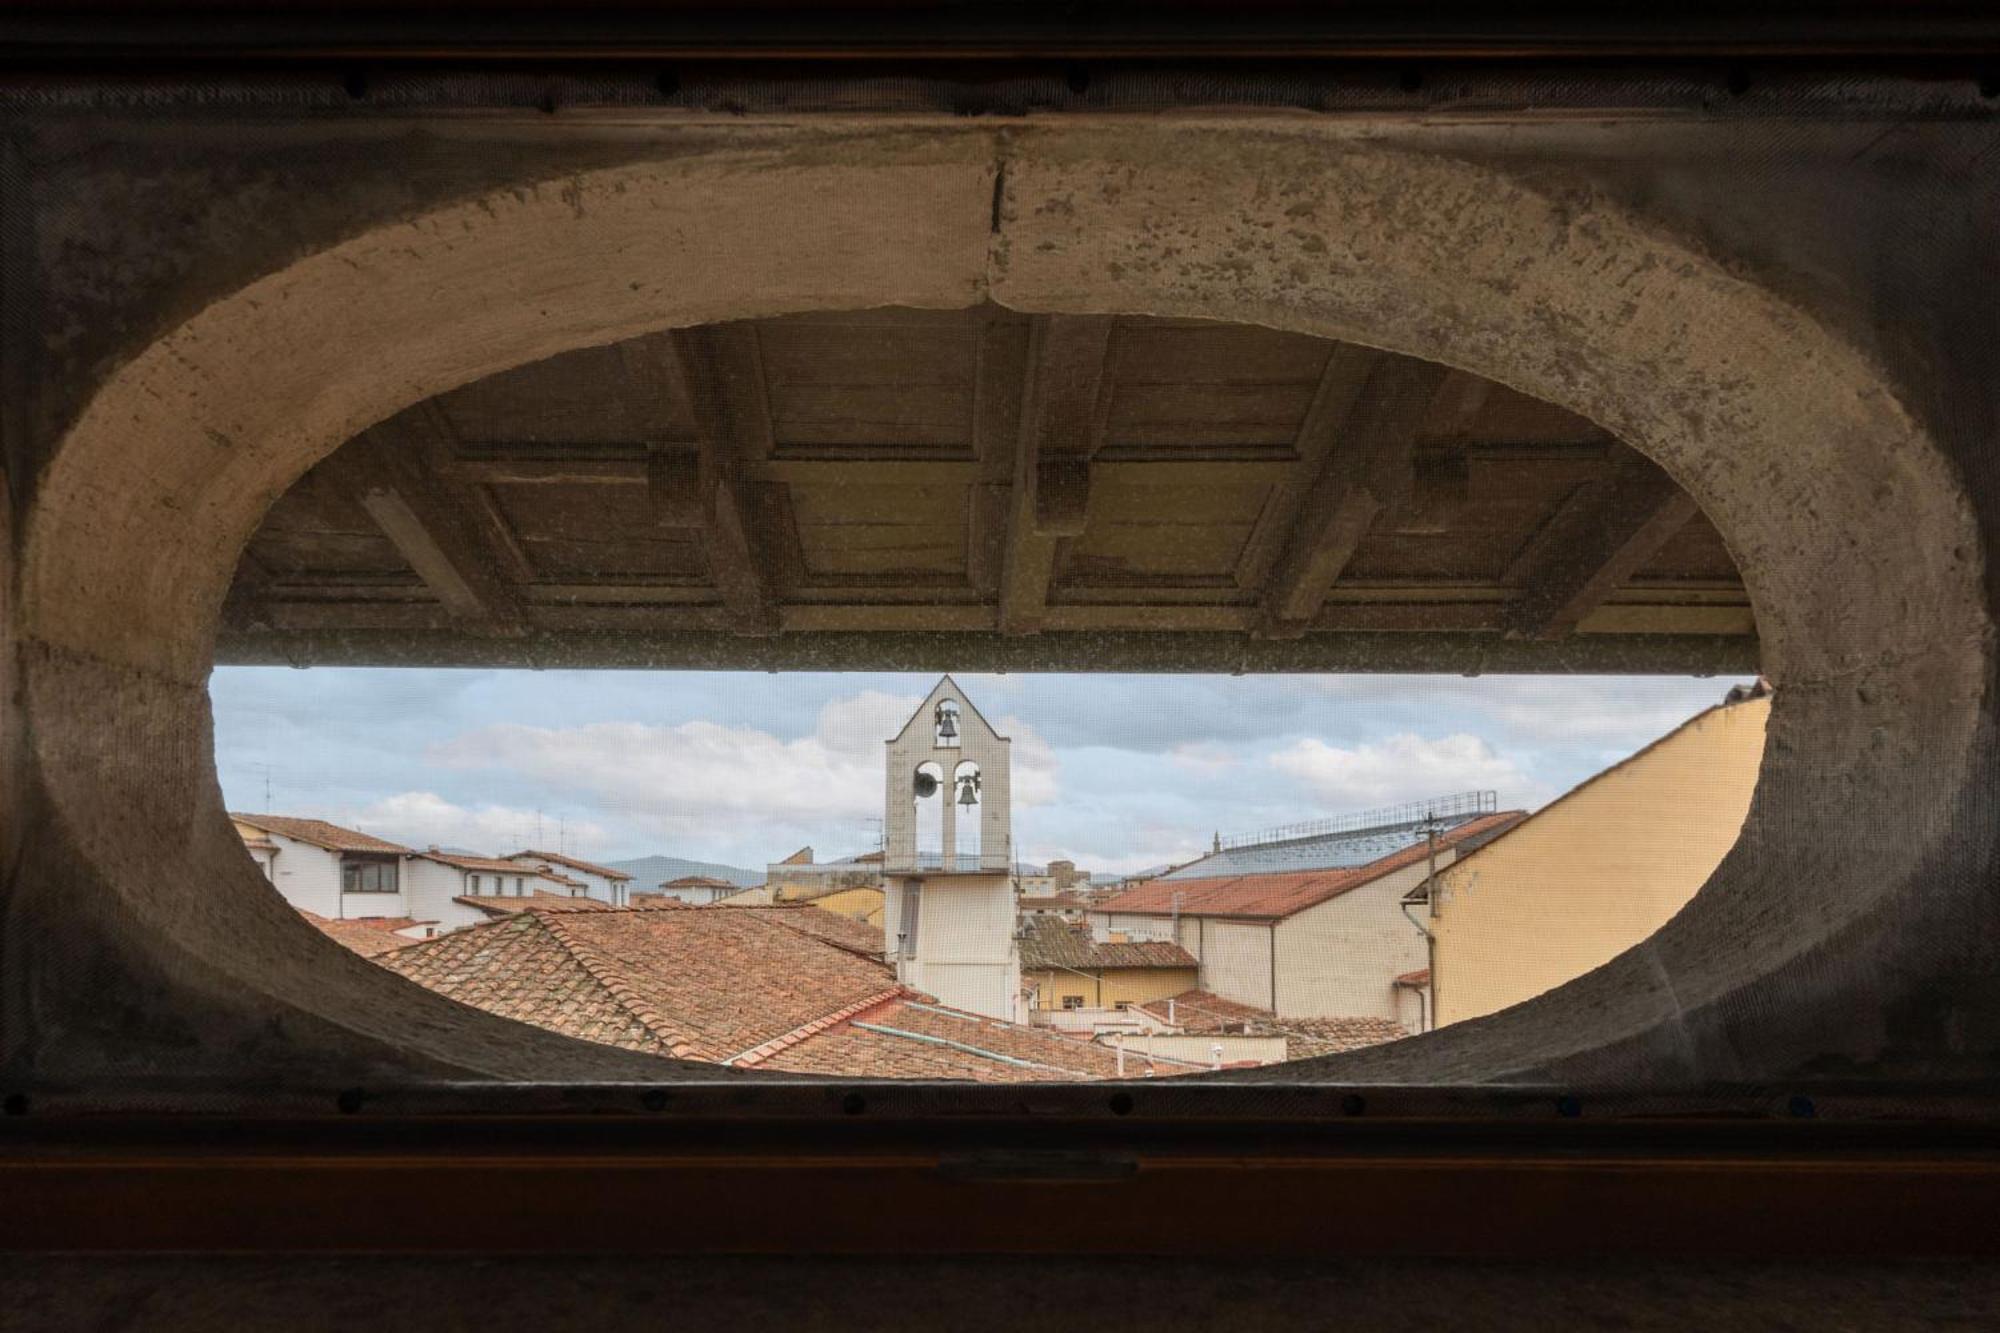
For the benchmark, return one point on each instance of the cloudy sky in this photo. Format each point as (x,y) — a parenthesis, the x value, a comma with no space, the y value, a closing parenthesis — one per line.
(1114,772)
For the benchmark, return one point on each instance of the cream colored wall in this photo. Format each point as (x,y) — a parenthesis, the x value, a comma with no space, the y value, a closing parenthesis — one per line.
(1598,871)
(1133,985)
(1341,958)
(965,952)
(1236,961)
(862,904)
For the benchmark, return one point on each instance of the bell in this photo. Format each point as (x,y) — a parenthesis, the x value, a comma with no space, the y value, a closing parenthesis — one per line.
(925,785)
(968,790)
(947,728)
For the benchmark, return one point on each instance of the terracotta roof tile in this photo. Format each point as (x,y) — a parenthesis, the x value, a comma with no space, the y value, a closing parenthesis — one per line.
(319,833)
(710,985)
(510,905)
(369,936)
(482,863)
(1420,977)
(574,863)
(518,968)
(1285,894)
(1053,942)
(751,986)
(840,931)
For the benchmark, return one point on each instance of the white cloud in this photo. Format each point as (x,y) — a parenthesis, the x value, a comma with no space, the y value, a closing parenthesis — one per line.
(1203,758)
(1403,767)
(710,784)
(425,819)
(1612,714)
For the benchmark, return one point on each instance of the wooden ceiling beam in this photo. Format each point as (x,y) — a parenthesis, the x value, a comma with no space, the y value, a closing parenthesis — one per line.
(700,486)
(1063,409)
(1365,427)
(439,532)
(1602,535)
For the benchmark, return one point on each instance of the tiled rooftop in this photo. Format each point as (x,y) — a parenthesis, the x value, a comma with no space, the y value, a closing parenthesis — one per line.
(1346,849)
(319,833)
(1048,941)
(483,864)
(511,905)
(841,931)
(369,936)
(1265,896)
(708,985)
(574,863)
(754,986)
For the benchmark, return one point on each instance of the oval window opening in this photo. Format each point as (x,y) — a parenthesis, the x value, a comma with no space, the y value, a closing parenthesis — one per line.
(1194,825)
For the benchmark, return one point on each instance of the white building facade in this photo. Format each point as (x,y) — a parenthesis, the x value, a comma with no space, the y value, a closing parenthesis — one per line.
(948,911)
(600,882)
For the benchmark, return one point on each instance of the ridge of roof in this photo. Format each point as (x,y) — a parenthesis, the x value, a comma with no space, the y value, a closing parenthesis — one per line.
(466,861)
(763,1051)
(316,832)
(1277,895)
(608,976)
(777,910)
(573,862)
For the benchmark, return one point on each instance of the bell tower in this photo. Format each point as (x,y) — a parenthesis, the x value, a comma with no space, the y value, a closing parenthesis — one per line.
(948,923)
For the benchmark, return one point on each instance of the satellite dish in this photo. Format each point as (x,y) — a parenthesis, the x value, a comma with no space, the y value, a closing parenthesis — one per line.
(926,785)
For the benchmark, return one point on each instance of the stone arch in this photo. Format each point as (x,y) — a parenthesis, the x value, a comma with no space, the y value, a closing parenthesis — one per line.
(1850,527)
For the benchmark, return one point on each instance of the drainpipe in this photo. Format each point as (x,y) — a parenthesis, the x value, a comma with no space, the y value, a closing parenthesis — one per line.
(1425,1011)
(1274,968)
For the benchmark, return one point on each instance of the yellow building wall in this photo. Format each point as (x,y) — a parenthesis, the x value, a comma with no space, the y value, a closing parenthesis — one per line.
(1597,871)
(862,904)
(1133,985)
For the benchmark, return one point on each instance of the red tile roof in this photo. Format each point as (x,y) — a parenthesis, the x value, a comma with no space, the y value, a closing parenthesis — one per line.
(843,932)
(753,987)
(557,858)
(698,882)
(319,833)
(1204,1012)
(1053,942)
(1284,894)
(1420,977)
(706,985)
(482,864)
(510,905)
(369,936)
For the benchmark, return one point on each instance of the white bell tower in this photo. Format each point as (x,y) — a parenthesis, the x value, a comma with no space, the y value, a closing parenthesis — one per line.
(949,915)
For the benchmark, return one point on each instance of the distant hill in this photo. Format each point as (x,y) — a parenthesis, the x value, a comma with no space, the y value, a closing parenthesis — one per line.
(649,871)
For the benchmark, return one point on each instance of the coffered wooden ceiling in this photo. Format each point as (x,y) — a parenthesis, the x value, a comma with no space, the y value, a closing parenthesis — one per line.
(980,487)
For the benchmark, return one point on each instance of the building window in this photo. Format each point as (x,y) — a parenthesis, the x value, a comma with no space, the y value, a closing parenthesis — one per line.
(1072,1002)
(519,890)
(368,876)
(1121,1005)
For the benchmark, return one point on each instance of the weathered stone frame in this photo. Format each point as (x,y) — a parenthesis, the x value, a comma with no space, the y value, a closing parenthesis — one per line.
(1850,526)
